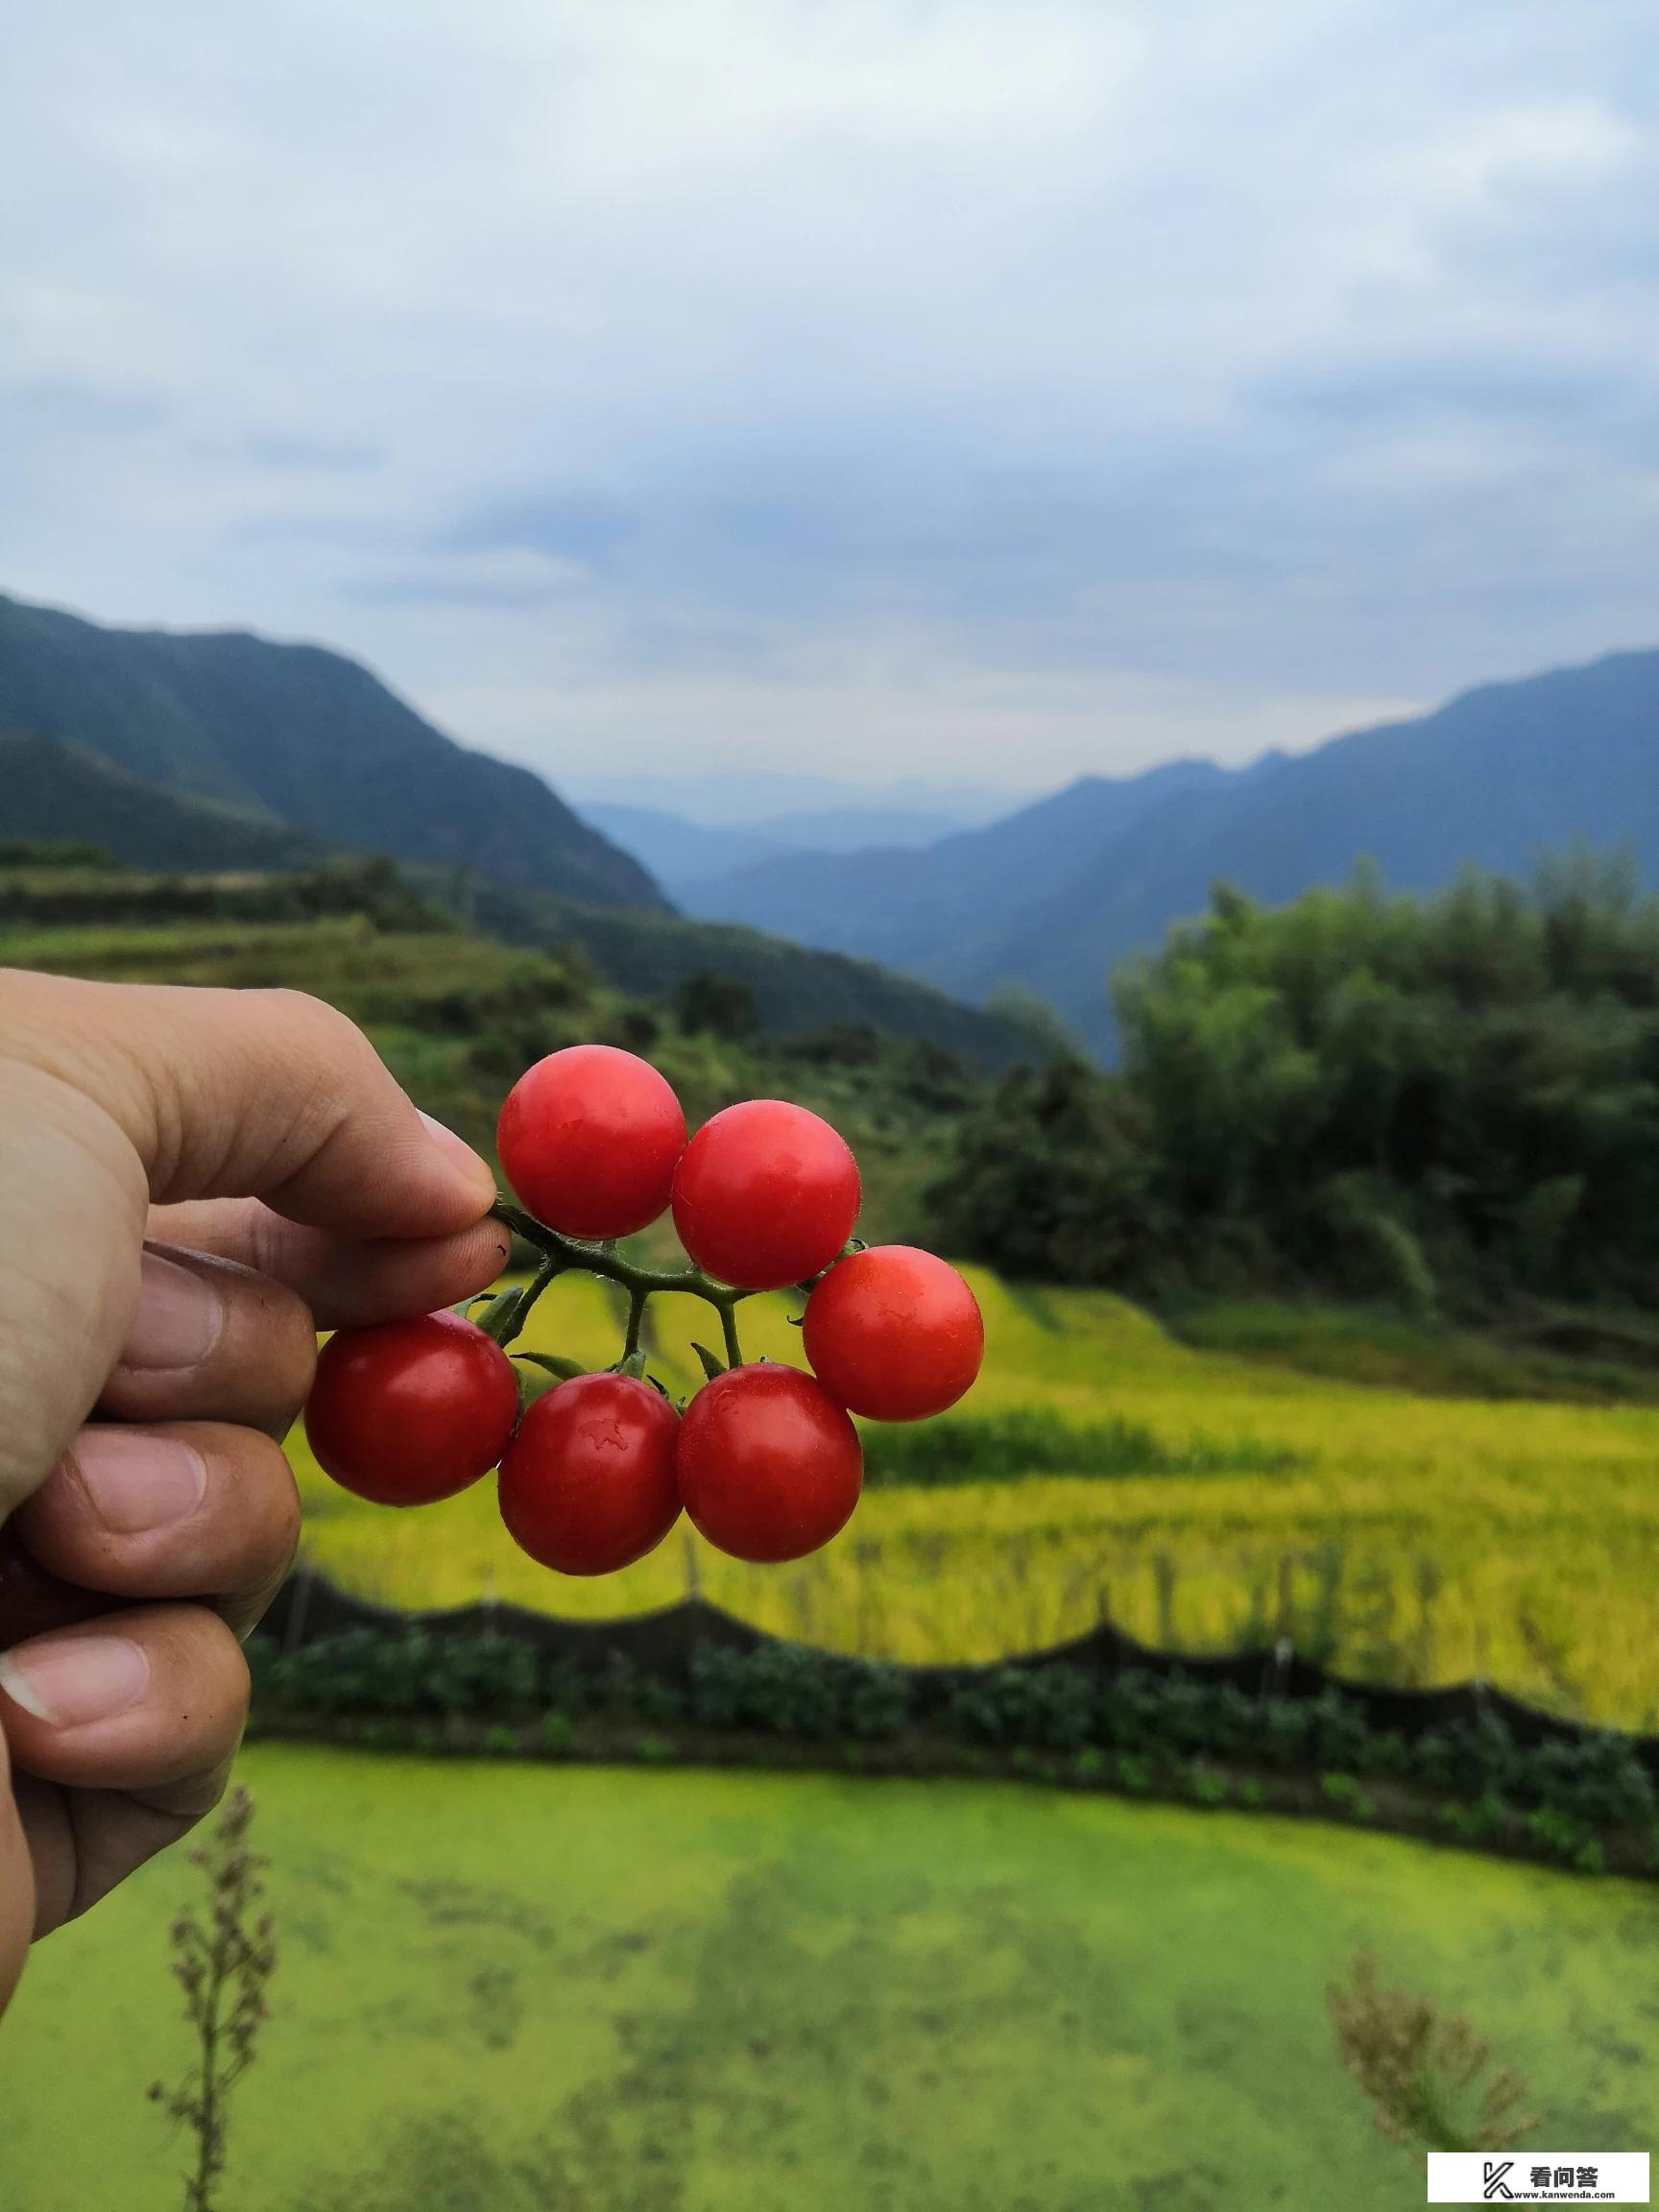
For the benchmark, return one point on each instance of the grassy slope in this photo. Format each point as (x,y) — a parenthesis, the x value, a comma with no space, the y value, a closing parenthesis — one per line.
(592,1990)
(1432,1539)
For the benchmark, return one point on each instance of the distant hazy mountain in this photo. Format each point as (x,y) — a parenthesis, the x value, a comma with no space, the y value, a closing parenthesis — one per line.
(673,848)
(51,790)
(679,851)
(1055,895)
(855,829)
(302,736)
(751,798)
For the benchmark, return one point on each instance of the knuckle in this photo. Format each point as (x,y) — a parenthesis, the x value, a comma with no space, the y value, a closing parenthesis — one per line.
(314,1021)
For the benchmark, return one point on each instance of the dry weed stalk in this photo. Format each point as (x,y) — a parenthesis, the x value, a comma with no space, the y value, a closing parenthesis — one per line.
(223,1964)
(1425,2074)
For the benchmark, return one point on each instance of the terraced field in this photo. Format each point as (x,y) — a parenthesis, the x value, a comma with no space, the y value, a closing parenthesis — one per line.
(536,1990)
(1409,1538)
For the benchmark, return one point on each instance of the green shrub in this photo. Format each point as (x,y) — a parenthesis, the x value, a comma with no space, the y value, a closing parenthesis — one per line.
(790,1692)
(1051,1707)
(628,1691)
(1201,1785)
(1343,1791)
(555,1734)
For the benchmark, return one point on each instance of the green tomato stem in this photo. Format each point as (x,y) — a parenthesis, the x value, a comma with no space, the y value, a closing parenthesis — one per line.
(562,1254)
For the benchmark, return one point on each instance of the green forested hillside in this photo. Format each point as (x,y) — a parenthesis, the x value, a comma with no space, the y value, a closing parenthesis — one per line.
(55,791)
(795,988)
(304,736)
(51,788)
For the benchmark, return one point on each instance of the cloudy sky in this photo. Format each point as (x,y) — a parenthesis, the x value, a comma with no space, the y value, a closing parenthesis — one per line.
(978,391)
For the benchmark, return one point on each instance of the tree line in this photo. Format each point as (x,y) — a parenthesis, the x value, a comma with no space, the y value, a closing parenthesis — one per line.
(1450,1101)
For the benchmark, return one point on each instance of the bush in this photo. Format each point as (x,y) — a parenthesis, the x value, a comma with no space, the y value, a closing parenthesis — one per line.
(790,1692)
(556,1736)
(1049,1707)
(628,1691)
(408,1670)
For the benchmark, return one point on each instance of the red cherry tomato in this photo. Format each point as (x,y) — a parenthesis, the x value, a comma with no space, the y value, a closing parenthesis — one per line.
(587,1484)
(410,1411)
(770,1466)
(766,1194)
(589,1138)
(894,1334)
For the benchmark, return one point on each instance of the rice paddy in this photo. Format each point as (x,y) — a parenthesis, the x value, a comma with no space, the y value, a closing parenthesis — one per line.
(1208,1503)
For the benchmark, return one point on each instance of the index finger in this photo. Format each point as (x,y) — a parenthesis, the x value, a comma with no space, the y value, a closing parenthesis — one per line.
(249,1094)
(345,1280)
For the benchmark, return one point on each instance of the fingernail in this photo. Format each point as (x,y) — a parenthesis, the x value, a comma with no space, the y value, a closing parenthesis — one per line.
(71,1680)
(179,1316)
(134,1482)
(460,1154)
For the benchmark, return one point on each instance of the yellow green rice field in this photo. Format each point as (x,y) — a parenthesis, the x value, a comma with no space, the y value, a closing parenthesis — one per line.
(1411,1539)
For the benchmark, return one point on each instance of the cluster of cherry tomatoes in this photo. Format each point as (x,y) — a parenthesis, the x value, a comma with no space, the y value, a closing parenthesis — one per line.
(596,1472)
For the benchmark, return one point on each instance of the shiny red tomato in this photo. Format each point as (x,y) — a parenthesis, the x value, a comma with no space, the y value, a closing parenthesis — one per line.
(766,1194)
(587,1484)
(410,1411)
(770,1466)
(894,1334)
(589,1138)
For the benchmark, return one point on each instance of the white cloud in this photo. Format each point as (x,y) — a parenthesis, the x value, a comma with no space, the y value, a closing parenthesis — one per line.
(1099,381)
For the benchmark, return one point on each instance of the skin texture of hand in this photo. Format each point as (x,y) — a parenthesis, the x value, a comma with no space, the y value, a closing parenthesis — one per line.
(189,1181)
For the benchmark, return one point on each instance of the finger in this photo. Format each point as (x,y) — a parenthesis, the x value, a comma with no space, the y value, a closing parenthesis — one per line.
(212,1341)
(16,1884)
(82,1842)
(151,1700)
(32,1601)
(345,1284)
(183,1510)
(262,1093)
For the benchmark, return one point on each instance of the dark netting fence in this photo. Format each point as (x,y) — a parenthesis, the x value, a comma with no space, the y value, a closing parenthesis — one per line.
(663,1645)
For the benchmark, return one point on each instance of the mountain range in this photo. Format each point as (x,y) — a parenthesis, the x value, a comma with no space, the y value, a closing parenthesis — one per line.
(227,751)
(1055,895)
(302,738)
(221,752)
(680,853)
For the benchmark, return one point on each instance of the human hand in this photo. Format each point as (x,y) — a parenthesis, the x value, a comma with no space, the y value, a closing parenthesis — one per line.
(189,1180)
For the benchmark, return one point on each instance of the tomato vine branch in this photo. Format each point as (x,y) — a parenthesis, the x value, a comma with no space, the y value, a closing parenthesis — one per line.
(505,1317)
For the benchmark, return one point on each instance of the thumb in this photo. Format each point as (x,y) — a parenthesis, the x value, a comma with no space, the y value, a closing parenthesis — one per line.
(113,1095)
